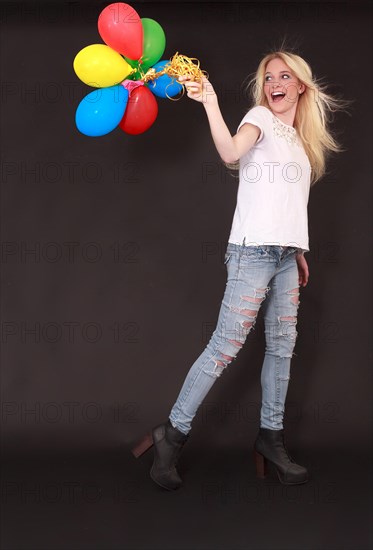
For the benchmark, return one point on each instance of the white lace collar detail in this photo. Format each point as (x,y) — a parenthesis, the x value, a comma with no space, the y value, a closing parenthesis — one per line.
(283,130)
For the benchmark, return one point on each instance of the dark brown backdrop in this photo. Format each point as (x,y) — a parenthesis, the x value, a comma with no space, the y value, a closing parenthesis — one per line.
(112,252)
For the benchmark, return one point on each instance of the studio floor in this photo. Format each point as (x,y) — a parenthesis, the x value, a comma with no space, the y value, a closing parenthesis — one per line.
(103,501)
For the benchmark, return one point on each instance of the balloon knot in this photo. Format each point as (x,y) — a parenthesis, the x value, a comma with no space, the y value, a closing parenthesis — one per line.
(130,85)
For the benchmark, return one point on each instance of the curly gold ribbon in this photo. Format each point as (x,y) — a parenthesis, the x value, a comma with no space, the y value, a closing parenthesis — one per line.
(179,65)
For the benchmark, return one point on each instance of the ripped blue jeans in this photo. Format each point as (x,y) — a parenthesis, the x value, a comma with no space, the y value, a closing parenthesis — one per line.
(265,274)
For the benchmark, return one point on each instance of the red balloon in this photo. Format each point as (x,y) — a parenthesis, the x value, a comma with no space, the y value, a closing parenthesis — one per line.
(120,28)
(141,111)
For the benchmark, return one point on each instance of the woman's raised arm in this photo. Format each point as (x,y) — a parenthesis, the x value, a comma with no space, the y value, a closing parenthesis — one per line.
(229,148)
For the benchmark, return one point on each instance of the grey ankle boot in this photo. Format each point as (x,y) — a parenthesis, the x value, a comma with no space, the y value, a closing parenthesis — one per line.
(168,443)
(270,445)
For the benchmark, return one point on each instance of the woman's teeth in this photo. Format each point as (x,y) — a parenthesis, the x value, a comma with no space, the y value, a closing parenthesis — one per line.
(277,97)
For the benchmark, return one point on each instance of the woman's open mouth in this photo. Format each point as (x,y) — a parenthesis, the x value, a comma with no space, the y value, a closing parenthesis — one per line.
(277,96)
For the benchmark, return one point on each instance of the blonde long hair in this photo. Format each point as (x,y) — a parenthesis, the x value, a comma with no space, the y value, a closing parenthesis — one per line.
(312,117)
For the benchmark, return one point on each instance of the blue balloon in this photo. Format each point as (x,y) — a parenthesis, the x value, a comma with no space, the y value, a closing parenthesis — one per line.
(101,111)
(164,84)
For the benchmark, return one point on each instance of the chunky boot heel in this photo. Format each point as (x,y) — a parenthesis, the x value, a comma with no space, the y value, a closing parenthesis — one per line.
(270,445)
(142,445)
(261,465)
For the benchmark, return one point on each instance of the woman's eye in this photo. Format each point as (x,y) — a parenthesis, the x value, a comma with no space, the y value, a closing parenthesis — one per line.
(266,78)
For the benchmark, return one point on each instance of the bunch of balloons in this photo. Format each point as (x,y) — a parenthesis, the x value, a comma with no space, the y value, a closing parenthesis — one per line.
(127,72)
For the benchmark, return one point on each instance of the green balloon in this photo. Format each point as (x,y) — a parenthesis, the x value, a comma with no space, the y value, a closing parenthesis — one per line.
(154,41)
(154,44)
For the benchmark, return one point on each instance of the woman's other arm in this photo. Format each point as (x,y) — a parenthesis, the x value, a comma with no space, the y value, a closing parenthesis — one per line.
(303,270)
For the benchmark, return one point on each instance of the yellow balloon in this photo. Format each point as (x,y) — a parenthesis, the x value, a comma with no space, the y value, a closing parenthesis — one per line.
(100,66)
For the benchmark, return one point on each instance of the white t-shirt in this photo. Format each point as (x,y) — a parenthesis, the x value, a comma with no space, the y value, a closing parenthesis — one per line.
(274,185)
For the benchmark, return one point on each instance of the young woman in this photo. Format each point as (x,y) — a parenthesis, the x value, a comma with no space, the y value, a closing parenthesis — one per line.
(280,150)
